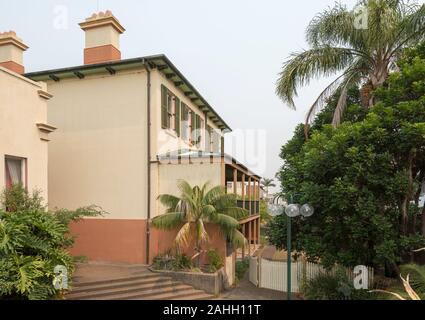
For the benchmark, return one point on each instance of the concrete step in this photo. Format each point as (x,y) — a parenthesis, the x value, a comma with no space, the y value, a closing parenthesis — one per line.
(80,284)
(122,290)
(198,295)
(182,292)
(142,283)
(145,294)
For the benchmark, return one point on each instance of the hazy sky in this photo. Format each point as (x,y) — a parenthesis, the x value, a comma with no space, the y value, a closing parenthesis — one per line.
(231,51)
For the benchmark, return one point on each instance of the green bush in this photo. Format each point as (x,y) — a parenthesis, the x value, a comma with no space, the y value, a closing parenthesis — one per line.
(242,267)
(33,241)
(327,286)
(215,261)
(163,261)
(182,262)
(169,261)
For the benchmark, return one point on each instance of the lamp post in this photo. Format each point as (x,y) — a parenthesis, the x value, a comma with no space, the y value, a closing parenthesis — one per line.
(292,210)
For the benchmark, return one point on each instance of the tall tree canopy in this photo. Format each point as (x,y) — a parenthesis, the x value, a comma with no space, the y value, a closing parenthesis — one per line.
(364,178)
(358,54)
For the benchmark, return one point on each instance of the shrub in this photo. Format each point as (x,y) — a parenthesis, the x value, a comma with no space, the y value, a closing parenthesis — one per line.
(182,262)
(241,268)
(215,261)
(168,261)
(163,261)
(33,241)
(327,286)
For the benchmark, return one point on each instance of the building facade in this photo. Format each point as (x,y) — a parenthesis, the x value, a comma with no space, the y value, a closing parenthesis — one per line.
(128,130)
(24,130)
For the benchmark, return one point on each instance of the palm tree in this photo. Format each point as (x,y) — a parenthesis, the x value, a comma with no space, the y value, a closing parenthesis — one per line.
(360,56)
(266,183)
(194,208)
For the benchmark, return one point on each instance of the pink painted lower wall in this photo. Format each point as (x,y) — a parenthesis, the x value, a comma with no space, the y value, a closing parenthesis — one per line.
(110,240)
(124,241)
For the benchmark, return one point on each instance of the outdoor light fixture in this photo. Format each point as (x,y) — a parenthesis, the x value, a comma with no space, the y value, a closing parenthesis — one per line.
(307,210)
(292,210)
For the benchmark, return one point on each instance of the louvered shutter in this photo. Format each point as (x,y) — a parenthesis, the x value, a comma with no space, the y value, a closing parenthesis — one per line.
(164,109)
(192,126)
(177,116)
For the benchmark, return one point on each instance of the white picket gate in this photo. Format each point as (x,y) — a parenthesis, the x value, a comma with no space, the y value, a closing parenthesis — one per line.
(273,275)
(269,274)
(253,270)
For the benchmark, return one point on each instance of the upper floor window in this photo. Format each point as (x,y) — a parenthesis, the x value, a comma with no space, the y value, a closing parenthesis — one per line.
(170,110)
(216,141)
(177,116)
(197,126)
(14,171)
(208,140)
(185,122)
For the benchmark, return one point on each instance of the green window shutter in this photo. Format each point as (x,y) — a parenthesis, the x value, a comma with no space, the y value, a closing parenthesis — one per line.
(164,109)
(198,127)
(192,126)
(177,116)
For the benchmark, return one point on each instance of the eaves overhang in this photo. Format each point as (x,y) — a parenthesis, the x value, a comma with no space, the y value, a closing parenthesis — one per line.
(159,62)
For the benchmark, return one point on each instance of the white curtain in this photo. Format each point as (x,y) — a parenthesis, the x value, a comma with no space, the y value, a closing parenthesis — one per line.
(14,168)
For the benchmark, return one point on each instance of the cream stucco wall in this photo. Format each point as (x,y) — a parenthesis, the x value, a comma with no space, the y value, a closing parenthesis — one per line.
(21,108)
(99,154)
(101,36)
(11,53)
(196,173)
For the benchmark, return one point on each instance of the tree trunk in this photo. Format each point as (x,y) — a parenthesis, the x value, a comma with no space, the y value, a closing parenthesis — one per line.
(408,196)
(198,250)
(423,221)
(366,95)
(378,78)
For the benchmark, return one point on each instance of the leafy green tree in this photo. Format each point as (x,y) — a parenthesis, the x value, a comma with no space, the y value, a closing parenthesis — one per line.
(364,178)
(361,56)
(33,242)
(194,208)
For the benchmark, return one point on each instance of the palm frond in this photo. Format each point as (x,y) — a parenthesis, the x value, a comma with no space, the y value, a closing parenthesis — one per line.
(213,194)
(302,67)
(185,188)
(169,201)
(202,234)
(235,212)
(168,221)
(226,223)
(237,239)
(406,283)
(335,27)
(183,237)
(417,276)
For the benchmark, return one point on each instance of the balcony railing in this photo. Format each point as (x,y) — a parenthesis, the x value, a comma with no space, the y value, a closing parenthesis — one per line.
(253,209)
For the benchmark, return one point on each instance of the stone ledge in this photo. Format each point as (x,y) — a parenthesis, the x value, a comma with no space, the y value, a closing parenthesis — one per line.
(212,283)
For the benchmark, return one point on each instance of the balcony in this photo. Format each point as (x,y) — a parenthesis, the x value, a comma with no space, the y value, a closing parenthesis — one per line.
(252,206)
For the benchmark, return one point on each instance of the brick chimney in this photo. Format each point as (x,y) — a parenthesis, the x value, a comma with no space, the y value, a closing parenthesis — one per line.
(103,32)
(12,52)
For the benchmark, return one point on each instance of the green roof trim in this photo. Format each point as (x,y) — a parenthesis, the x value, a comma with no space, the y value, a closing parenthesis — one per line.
(160,62)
